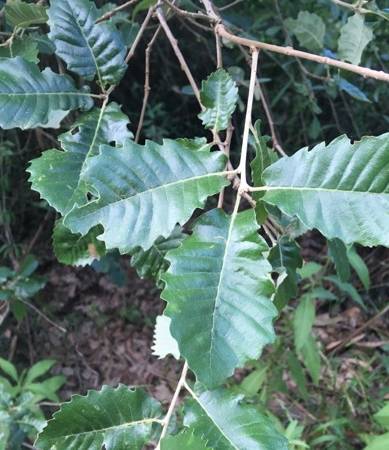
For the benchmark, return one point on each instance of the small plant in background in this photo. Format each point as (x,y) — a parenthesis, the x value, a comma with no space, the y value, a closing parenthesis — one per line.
(17,287)
(21,416)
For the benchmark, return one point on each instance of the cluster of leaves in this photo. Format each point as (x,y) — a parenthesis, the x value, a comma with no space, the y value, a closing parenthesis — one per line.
(114,194)
(16,287)
(20,394)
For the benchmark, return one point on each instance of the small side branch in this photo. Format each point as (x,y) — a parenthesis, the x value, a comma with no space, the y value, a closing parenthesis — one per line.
(166,420)
(178,53)
(290,51)
(247,123)
(111,13)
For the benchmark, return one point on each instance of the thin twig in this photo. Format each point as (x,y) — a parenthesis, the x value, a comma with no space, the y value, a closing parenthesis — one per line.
(290,51)
(172,405)
(178,53)
(111,13)
(187,14)
(40,313)
(358,331)
(247,123)
(147,84)
(142,28)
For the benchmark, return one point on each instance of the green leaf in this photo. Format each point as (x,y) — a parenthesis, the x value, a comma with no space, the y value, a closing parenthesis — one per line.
(152,263)
(34,99)
(25,48)
(23,15)
(311,357)
(74,249)
(352,90)
(378,443)
(89,49)
(354,37)
(47,388)
(348,200)
(360,267)
(285,259)
(219,96)
(218,289)
(58,175)
(297,372)
(8,368)
(154,188)
(348,289)
(309,30)
(164,342)
(303,320)
(185,440)
(142,6)
(225,423)
(251,384)
(119,419)
(38,369)
(382,416)
(338,253)
(264,157)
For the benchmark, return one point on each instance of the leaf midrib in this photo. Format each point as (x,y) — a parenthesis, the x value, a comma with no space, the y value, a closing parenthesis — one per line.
(220,285)
(163,186)
(316,189)
(103,430)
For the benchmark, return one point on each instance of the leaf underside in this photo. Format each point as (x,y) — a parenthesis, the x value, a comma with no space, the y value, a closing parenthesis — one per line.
(218,289)
(354,37)
(341,189)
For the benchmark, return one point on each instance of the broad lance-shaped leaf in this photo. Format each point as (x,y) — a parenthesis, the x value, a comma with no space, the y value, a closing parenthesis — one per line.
(90,49)
(341,189)
(119,419)
(22,14)
(154,188)
(151,263)
(225,423)
(219,96)
(30,98)
(354,37)
(58,175)
(74,249)
(218,289)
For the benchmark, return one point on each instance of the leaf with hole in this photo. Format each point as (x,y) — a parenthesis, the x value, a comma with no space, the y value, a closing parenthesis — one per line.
(154,188)
(218,290)
(59,175)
